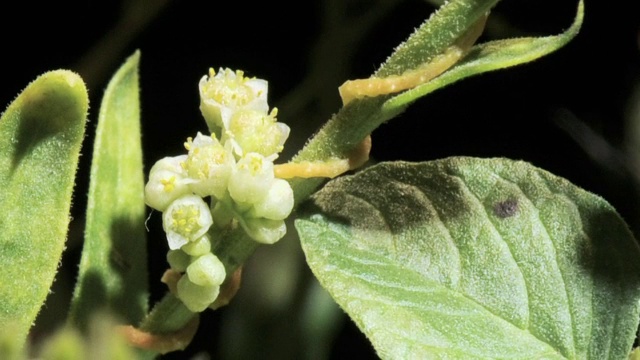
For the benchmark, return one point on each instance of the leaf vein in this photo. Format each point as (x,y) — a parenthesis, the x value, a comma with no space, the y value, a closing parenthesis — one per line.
(427,201)
(380,216)
(499,235)
(553,245)
(393,285)
(428,310)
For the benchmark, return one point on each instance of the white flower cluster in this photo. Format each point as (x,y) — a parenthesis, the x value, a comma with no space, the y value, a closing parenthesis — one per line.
(233,167)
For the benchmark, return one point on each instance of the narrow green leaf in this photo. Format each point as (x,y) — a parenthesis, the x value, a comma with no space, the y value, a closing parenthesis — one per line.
(113,266)
(476,258)
(359,118)
(491,56)
(435,35)
(40,137)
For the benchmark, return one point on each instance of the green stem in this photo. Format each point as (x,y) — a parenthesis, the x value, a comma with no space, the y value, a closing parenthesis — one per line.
(338,137)
(168,315)
(234,249)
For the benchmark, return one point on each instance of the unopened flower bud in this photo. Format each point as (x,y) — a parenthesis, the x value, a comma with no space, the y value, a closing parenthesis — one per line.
(206,270)
(195,297)
(167,182)
(178,260)
(265,231)
(252,178)
(278,203)
(198,247)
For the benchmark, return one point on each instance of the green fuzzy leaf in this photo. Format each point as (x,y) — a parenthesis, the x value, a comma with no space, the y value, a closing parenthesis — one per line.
(40,137)
(490,56)
(436,34)
(357,120)
(476,258)
(360,117)
(113,267)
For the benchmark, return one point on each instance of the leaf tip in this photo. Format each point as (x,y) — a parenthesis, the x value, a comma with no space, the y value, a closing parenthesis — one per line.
(133,60)
(68,78)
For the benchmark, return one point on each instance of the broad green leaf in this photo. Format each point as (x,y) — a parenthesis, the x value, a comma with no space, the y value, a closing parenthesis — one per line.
(40,137)
(476,258)
(113,271)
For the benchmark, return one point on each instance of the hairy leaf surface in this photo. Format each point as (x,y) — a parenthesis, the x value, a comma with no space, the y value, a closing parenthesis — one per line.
(40,137)
(113,267)
(475,258)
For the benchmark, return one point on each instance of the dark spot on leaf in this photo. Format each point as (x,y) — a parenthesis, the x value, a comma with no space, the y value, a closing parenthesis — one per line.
(505,209)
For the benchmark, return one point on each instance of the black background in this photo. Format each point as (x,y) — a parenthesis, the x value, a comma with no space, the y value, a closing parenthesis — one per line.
(517,113)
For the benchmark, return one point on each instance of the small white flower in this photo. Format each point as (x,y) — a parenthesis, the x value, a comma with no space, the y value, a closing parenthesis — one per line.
(167,182)
(255,131)
(227,91)
(209,165)
(185,220)
(250,181)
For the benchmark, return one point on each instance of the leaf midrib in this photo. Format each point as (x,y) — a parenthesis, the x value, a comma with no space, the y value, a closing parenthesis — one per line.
(487,219)
(429,283)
